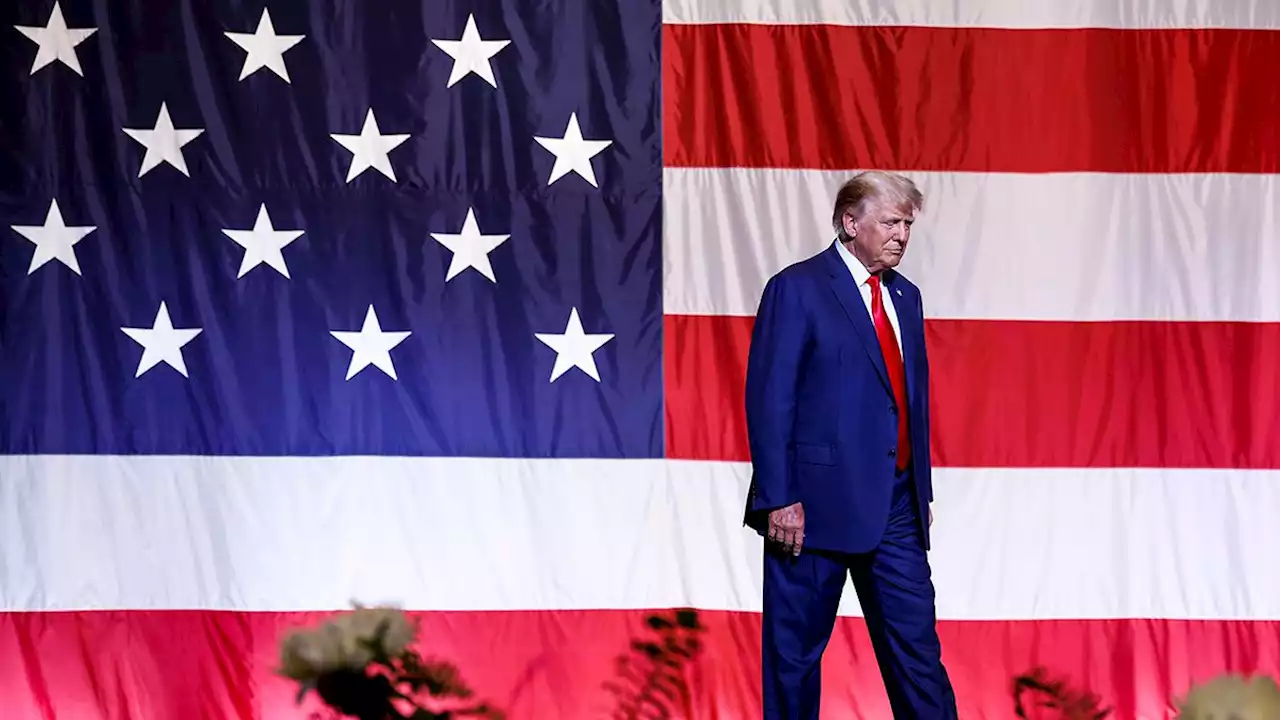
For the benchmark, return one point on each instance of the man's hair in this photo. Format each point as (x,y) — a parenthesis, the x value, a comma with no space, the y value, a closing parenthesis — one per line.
(865,187)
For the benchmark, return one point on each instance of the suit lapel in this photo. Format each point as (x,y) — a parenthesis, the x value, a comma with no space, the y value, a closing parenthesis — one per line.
(846,290)
(911,326)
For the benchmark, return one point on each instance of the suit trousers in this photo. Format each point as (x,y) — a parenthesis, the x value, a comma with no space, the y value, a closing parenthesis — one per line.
(895,590)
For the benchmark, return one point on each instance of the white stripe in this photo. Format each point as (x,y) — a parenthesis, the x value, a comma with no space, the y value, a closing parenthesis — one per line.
(1015,14)
(313,533)
(1060,246)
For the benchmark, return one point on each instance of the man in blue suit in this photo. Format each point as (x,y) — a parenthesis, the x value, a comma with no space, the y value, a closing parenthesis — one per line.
(837,404)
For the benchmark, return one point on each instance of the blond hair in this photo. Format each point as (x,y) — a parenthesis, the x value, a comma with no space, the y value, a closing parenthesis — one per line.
(861,189)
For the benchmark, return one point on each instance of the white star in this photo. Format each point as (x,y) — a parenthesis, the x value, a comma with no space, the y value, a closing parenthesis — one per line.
(470,248)
(54,240)
(161,343)
(264,48)
(369,149)
(263,244)
(573,153)
(370,346)
(471,54)
(164,143)
(574,348)
(56,41)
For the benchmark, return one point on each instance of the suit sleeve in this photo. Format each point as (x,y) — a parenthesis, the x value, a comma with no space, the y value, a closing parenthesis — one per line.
(773,365)
(925,467)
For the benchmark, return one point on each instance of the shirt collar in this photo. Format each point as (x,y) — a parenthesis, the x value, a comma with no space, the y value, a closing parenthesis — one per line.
(860,274)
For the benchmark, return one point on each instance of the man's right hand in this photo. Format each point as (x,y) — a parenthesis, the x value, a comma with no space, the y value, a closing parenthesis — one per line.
(786,527)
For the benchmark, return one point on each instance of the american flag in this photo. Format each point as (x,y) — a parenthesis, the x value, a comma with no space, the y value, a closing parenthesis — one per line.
(446,304)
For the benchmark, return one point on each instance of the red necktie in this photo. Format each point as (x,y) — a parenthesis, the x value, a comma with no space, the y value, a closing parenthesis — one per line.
(893,363)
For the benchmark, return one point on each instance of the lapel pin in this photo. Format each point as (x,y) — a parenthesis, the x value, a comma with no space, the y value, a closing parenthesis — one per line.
(899,291)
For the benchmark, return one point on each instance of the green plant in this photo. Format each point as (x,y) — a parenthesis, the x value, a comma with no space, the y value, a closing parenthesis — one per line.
(1037,692)
(651,682)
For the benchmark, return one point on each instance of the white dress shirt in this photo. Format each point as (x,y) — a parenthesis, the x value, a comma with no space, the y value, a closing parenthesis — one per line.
(861,277)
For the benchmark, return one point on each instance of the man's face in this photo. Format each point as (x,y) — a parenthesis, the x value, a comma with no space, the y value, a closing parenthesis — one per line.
(881,235)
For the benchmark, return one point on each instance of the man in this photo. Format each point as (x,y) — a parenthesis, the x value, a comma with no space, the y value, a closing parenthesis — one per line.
(838,419)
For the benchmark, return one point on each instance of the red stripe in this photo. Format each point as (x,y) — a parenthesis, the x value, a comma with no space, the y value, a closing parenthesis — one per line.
(1031,394)
(127,664)
(988,100)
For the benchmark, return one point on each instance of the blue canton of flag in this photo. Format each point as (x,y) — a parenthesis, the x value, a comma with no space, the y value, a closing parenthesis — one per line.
(331,227)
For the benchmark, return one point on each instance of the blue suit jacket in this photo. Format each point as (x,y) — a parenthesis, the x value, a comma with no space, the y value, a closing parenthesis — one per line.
(821,417)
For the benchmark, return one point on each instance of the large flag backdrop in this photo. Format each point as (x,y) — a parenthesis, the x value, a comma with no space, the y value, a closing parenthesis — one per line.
(543,435)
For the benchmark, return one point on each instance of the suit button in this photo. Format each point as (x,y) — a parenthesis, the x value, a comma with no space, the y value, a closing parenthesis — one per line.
(893,409)
(893,453)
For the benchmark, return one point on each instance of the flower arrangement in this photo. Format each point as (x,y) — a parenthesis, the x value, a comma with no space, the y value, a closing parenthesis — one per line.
(361,665)
(1232,697)
(1228,697)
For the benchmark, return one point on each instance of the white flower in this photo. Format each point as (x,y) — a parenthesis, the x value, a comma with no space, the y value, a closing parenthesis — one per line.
(1232,697)
(343,643)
